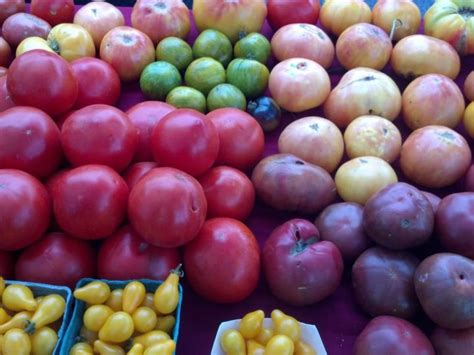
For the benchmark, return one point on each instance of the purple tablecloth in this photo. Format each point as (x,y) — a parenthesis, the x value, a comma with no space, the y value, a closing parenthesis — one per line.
(338,318)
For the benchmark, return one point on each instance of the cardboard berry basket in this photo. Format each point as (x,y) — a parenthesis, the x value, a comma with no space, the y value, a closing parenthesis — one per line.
(75,324)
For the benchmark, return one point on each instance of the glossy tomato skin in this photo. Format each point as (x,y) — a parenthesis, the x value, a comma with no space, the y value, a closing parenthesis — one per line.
(136,171)
(241,138)
(90,201)
(6,101)
(10,7)
(25,210)
(229,193)
(7,264)
(43,80)
(53,11)
(284,12)
(57,259)
(185,139)
(145,116)
(222,263)
(99,134)
(30,141)
(125,256)
(167,207)
(98,82)
(22,25)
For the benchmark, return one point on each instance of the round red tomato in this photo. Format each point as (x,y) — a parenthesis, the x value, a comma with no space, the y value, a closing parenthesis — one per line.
(167,207)
(7,264)
(229,193)
(53,11)
(241,138)
(57,259)
(98,82)
(89,202)
(126,256)
(223,263)
(10,7)
(43,80)
(284,12)
(6,101)
(145,116)
(30,141)
(185,139)
(5,53)
(99,134)
(136,171)
(25,209)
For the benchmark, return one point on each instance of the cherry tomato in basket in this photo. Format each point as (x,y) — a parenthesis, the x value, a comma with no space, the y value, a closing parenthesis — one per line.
(53,11)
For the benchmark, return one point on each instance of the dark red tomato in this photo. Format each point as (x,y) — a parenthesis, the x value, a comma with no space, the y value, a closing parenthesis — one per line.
(99,134)
(62,118)
(89,202)
(229,193)
(30,141)
(184,139)
(5,53)
(25,209)
(126,256)
(136,171)
(10,7)
(222,263)
(53,179)
(57,259)
(241,138)
(43,80)
(6,101)
(7,263)
(144,116)
(284,12)
(167,207)
(53,11)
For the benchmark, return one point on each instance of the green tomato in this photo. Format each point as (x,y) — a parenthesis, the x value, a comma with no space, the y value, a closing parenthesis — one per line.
(253,46)
(158,79)
(175,51)
(214,44)
(204,73)
(226,95)
(250,76)
(186,97)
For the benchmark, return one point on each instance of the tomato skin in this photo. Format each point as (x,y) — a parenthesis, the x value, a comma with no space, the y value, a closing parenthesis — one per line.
(57,259)
(229,193)
(53,11)
(222,263)
(90,201)
(241,138)
(30,141)
(136,171)
(6,101)
(10,7)
(23,25)
(25,210)
(7,263)
(284,12)
(99,134)
(43,80)
(167,207)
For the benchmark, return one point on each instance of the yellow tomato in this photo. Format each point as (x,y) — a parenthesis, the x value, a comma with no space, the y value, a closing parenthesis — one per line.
(4,316)
(117,328)
(301,348)
(144,319)
(286,325)
(167,294)
(133,296)
(18,298)
(95,316)
(115,300)
(468,119)
(16,342)
(19,320)
(71,41)
(32,43)
(166,323)
(137,349)
(102,348)
(280,345)
(95,292)
(150,338)
(166,347)
(265,335)
(50,309)
(81,349)
(255,348)
(232,342)
(88,335)
(43,341)
(2,285)
(251,324)
(337,15)
(148,302)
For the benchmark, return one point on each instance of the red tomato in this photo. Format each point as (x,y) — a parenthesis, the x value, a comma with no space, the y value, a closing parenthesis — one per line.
(7,263)
(25,209)
(6,101)
(223,263)
(126,256)
(284,12)
(99,134)
(57,259)
(145,116)
(43,80)
(98,82)
(5,53)
(89,202)
(30,141)
(136,171)
(241,138)
(3,71)
(229,193)
(184,139)
(53,11)
(167,207)
(10,7)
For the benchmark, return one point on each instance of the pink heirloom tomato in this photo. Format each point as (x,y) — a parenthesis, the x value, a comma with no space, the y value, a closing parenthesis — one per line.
(385,12)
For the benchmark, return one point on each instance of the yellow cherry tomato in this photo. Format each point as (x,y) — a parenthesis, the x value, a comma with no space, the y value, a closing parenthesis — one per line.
(251,324)
(166,323)
(88,335)
(71,41)
(280,345)
(265,335)
(43,341)
(81,348)
(166,347)
(103,348)
(144,319)
(133,296)
(4,316)
(255,348)
(301,348)
(286,325)
(137,349)
(50,309)
(19,320)
(115,300)
(2,285)
(150,338)
(16,342)
(95,292)
(117,328)
(32,43)
(468,119)
(148,302)
(95,316)
(232,342)
(167,294)
(18,298)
